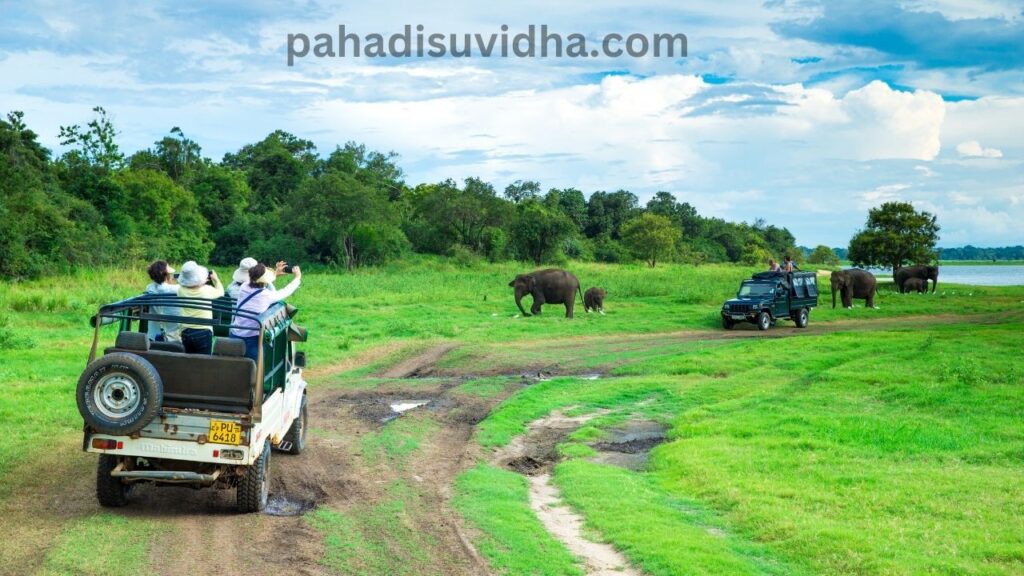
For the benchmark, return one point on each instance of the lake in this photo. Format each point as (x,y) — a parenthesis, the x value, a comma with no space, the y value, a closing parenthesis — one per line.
(982,275)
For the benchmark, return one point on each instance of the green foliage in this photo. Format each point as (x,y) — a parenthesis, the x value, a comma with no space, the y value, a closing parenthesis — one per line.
(895,235)
(275,167)
(607,212)
(279,198)
(520,191)
(610,251)
(45,229)
(96,142)
(755,254)
(651,237)
(538,232)
(823,255)
(162,218)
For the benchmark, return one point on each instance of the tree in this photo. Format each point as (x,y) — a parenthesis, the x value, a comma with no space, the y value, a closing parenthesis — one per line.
(572,203)
(162,218)
(895,235)
(96,141)
(332,211)
(44,229)
(607,212)
(520,191)
(538,231)
(275,167)
(823,255)
(174,155)
(651,237)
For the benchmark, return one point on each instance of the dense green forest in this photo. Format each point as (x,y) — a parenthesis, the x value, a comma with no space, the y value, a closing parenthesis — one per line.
(280,198)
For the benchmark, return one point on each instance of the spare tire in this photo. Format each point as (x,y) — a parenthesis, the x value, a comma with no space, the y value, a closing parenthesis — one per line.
(119,393)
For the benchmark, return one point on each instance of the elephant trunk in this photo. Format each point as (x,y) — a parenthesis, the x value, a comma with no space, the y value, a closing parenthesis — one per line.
(935,283)
(519,301)
(833,295)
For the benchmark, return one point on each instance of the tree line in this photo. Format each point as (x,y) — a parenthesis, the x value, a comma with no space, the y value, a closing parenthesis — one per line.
(279,198)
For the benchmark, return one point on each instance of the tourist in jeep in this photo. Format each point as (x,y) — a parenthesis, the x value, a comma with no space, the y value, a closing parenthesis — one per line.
(256,297)
(197,281)
(240,276)
(163,284)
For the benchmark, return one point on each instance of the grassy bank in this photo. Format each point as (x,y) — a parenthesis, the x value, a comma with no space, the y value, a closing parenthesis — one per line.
(897,452)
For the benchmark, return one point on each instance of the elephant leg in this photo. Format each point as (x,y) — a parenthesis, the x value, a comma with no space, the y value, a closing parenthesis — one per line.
(569,304)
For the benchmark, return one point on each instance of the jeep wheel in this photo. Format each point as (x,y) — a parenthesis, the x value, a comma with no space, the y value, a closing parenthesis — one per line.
(119,393)
(727,323)
(110,491)
(764,321)
(802,317)
(254,487)
(297,433)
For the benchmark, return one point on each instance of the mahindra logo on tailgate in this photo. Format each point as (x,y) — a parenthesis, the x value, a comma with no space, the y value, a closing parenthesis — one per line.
(176,450)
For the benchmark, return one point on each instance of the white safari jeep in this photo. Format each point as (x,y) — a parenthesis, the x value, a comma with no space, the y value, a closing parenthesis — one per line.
(156,414)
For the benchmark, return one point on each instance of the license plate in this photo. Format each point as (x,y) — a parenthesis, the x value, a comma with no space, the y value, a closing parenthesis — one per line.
(738,317)
(222,432)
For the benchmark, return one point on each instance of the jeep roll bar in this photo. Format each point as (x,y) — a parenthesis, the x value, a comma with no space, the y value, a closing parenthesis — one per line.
(139,308)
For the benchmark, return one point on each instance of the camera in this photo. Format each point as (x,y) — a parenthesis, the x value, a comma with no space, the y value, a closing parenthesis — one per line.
(287,269)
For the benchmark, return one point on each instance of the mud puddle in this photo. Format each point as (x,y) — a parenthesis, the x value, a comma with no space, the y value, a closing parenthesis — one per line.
(629,445)
(535,452)
(284,505)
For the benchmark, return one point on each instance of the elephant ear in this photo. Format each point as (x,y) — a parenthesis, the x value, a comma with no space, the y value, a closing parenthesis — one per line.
(531,283)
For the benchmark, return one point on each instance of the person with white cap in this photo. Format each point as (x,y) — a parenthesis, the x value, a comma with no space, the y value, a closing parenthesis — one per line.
(163,284)
(197,281)
(241,276)
(256,298)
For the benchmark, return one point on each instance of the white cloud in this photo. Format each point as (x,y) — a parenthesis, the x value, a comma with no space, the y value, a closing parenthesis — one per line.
(973,149)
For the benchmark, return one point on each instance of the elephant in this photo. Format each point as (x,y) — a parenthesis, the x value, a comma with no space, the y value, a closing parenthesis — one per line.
(915,285)
(550,286)
(925,273)
(593,299)
(854,283)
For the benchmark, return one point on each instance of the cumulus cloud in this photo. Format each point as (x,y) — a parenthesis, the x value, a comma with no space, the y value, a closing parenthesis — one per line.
(973,149)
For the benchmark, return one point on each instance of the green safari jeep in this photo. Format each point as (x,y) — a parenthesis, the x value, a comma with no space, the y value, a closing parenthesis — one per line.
(770,296)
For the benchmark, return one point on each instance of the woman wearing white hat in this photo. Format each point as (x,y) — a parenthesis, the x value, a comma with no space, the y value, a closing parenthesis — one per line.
(254,297)
(241,276)
(198,338)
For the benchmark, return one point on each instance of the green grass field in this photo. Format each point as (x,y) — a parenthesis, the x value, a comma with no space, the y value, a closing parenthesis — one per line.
(889,442)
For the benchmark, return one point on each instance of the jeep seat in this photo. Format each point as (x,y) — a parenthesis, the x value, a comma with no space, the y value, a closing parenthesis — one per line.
(223,382)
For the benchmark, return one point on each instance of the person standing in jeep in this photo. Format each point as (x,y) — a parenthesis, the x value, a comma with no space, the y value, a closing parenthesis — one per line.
(197,281)
(255,297)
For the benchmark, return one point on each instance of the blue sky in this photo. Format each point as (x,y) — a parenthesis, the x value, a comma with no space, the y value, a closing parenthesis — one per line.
(805,113)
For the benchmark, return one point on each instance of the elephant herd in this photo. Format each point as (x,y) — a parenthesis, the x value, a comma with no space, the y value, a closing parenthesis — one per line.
(861,284)
(556,286)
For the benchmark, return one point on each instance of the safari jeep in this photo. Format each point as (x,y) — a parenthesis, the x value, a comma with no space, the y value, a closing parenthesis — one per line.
(770,296)
(156,414)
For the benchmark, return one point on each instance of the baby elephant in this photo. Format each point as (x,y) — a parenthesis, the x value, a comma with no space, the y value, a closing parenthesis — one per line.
(918,285)
(593,299)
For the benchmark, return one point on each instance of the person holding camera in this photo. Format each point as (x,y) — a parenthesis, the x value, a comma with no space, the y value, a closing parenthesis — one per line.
(255,298)
(240,276)
(197,281)
(163,284)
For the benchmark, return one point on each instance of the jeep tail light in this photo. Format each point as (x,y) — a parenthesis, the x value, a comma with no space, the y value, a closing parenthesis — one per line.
(105,444)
